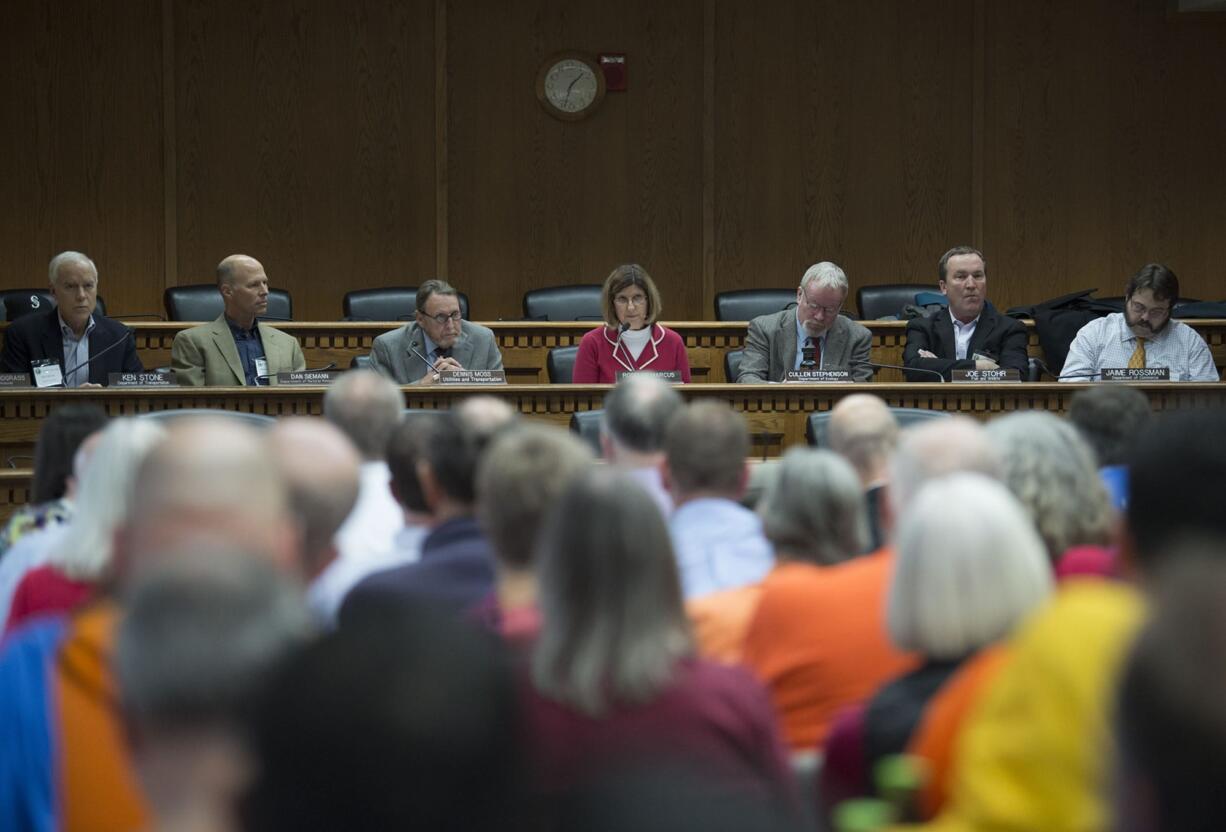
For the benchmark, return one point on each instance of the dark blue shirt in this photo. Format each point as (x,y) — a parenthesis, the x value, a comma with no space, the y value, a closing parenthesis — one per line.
(250,347)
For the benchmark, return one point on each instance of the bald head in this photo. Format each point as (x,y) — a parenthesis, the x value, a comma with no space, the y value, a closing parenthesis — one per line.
(229,269)
(366,406)
(320,467)
(244,288)
(485,416)
(938,448)
(863,431)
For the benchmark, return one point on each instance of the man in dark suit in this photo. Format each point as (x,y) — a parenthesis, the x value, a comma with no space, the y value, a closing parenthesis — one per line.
(71,335)
(971,335)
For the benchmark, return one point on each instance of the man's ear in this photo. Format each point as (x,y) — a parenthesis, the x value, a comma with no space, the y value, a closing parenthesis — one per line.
(941,286)
(742,482)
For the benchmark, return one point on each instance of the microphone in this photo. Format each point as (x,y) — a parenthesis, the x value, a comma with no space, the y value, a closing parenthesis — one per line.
(1062,377)
(877,366)
(126,335)
(621,330)
(433,369)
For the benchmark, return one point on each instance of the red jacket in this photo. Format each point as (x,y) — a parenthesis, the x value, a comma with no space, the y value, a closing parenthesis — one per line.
(597,363)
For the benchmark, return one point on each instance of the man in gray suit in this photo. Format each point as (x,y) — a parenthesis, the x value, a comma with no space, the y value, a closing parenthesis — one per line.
(780,342)
(439,339)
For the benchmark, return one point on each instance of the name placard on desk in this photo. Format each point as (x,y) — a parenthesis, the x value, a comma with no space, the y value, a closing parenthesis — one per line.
(1136,373)
(154,379)
(486,377)
(14,380)
(669,376)
(307,377)
(984,376)
(817,377)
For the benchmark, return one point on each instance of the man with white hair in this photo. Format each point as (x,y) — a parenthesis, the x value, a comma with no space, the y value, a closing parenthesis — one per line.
(71,335)
(815,335)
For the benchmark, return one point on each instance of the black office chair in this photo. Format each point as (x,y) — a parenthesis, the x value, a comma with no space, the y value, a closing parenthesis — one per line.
(361,362)
(732,364)
(255,420)
(747,304)
(584,302)
(388,303)
(560,364)
(586,424)
(886,300)
(17,303)
(202,302)
(817,423)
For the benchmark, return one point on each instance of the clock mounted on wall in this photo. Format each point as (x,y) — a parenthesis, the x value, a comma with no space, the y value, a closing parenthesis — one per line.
(570,85)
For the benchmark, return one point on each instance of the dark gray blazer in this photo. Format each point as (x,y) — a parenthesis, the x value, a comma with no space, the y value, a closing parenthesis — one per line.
(475,349)
(770,349)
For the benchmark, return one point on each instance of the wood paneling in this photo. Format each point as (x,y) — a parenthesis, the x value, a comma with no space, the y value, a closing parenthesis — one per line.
(306,139)
(535,201)
(81,142)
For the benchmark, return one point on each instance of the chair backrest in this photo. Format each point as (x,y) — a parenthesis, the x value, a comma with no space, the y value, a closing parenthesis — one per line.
(388,303)
(16,303)
(202,302)
(361,362)
(732,365)
(817,424)
(583,302)
(255,420)
(886,300)
(586,424)
(747,304)
(560,364)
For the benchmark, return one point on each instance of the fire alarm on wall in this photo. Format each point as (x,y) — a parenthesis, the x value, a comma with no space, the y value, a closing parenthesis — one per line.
(614,66)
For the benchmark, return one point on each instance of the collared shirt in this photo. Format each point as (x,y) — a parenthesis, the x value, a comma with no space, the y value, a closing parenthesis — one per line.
(76,352)
(432,349)
(963,333)
(719,545)
(801,335)
(1109,342)
(250,347)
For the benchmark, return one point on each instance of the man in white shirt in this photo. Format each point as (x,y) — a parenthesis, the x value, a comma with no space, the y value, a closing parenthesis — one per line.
(637,413)
(1142,336)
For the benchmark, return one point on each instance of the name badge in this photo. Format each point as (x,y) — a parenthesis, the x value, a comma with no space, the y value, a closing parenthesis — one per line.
(158,378)
(484,377)
(47,373)
(261,370)
(984,376)
(1136,374)
(307,377)
(817,377)
(14,379)
(670,376)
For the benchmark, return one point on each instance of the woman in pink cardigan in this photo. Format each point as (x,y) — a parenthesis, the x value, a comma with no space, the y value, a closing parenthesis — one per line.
(631,339)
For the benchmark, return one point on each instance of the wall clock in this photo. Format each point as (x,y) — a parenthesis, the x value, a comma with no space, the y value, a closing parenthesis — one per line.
(570,86)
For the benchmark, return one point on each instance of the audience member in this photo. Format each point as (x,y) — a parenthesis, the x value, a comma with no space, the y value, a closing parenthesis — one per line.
(815,336)
(71,334)
(719,543)
(201,635)
(863,431)
(367,408)
(972,335)
(438,340)
(237,349)
(1111,418)
(637,413)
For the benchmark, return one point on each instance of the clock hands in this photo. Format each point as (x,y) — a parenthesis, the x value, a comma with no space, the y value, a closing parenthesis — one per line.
(571,86)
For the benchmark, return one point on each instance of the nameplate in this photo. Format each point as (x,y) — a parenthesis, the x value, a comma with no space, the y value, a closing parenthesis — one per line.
(1136,374)
(984,376)
(15,380)
(155,379)
(817,377)
(473,377)
(670,376)
(307,377)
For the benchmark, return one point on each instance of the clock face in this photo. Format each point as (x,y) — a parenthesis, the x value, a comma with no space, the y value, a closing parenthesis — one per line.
(571,86)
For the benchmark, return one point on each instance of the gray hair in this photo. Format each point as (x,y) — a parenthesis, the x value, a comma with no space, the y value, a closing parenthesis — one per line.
(637,412)
(863,431)
(813,508)
(366,407)
(64,258)
(826,275)
(104,497)
(936,449)
(963,579)
(613,622)
(1051,470)
(201,633)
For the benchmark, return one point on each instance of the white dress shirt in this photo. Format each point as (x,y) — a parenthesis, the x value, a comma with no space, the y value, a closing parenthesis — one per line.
(1108,342)
(963,333)
(719,545)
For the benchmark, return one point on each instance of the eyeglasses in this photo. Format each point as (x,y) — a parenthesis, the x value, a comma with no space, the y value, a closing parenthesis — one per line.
(828,311)
(442,319)
(1155,313)
(636,300)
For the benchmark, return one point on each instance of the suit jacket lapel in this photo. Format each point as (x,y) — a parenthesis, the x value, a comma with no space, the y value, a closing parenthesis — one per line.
(836,345)
(944,329)
(278,361)
(415,366)
(224,341)
(785,344)
(462,349)
(987,323)
(53,341)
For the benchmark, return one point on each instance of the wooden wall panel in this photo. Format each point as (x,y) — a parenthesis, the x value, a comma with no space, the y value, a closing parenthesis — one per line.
(536,202)
(1104,129)
(843,132)
(306,139)
(80,143)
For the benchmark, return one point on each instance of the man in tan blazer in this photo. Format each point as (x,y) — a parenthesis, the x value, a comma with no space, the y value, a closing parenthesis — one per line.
(235,350)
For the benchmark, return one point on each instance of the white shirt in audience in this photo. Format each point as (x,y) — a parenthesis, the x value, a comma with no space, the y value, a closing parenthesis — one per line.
(719,545)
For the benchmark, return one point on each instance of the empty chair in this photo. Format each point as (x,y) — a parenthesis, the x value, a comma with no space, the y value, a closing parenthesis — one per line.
(256,420)
(886,300)
(815,428)
(587,425)
(732,364)
(560,364)
(747,304)
(202,302)
(361,362)
(564,303)
(387,303)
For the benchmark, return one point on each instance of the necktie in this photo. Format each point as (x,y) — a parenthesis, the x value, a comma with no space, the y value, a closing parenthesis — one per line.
(1137,361)
(441,352)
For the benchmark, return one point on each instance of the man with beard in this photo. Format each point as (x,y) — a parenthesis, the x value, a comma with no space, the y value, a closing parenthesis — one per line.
(1143,335)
